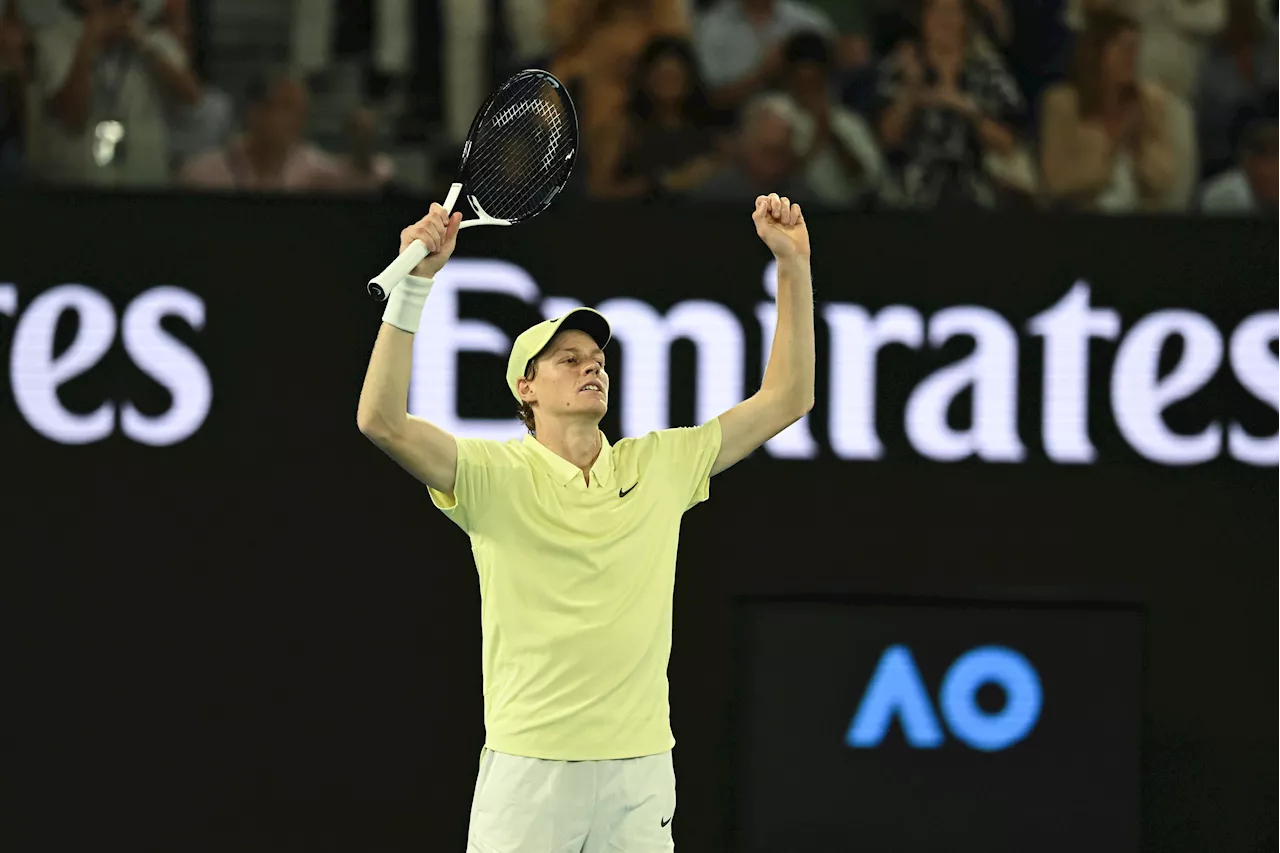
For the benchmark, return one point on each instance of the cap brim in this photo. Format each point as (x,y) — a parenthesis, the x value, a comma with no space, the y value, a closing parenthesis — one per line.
(591,322)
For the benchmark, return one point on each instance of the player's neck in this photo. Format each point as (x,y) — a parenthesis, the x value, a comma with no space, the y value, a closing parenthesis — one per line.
(576,440)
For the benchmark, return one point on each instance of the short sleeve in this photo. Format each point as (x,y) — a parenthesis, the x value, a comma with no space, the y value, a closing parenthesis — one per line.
(483,466)
(686,455)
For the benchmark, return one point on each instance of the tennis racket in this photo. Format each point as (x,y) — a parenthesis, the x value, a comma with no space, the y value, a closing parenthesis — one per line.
(518,156)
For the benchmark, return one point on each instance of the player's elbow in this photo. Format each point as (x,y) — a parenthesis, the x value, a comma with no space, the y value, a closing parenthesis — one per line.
(373,426)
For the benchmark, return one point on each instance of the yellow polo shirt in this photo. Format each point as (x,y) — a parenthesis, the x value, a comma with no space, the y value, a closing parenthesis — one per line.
(576,584)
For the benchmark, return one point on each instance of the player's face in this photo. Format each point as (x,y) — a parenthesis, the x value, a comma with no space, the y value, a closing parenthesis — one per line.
(571,379)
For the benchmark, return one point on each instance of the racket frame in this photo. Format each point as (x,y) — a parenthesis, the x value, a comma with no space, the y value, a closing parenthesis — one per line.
(381,285)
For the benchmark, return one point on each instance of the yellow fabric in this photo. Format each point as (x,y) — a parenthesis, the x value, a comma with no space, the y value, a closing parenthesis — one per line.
(576,584)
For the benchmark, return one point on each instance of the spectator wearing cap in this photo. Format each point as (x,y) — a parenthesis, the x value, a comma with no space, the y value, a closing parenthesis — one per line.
(1240,66)
(1250,187)
(270,154)
(763,156)
(104,78)
(837,150)
(946,112)
(739,44)
(1106,137)
(667,144)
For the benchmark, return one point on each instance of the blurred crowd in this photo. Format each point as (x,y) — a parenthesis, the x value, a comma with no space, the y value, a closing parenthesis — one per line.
(1100,105)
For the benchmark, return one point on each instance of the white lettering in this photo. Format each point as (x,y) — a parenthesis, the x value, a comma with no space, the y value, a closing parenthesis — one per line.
(646,338)
(796,441)
(1139,396)
(168,362)
(36,374)
(991,370)
(1256,368)
(8,299)
(856,339)
(1067,328)
(433,387)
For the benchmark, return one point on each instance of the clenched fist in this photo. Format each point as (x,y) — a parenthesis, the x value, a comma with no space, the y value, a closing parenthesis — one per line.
(438,231)
(780,224)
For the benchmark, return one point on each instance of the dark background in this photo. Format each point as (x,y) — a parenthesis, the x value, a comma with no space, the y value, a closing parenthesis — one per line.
(1072,783)
(219,650)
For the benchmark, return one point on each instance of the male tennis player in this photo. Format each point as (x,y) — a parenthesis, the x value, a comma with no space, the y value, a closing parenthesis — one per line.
(575,543)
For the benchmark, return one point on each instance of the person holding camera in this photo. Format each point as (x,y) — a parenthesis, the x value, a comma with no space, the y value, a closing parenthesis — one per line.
(104,79)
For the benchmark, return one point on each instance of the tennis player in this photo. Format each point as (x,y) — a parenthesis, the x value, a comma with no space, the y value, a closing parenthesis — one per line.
(575,544)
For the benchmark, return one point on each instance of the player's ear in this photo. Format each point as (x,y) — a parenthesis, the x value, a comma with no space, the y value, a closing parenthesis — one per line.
(525,387)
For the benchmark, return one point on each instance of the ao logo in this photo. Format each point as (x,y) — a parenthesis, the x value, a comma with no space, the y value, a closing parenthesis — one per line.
(896,689)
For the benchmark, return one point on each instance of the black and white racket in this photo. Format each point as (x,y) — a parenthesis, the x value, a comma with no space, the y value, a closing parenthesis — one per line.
(518,157)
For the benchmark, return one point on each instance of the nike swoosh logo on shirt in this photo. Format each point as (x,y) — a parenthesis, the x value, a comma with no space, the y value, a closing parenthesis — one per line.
(622,493)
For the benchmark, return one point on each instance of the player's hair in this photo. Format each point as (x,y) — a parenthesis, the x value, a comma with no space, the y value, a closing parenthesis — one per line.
(526,410)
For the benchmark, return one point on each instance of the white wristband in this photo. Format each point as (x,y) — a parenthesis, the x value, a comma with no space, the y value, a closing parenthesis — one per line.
(404,305)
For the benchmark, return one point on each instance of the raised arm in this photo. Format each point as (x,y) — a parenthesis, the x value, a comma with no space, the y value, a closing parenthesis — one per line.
(786,393)
(421,448)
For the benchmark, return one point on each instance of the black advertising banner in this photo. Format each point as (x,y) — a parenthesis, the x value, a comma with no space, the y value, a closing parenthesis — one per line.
(921,727)
(235,611)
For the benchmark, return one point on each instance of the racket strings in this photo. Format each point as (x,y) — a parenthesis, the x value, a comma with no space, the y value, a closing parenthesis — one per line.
(522,152)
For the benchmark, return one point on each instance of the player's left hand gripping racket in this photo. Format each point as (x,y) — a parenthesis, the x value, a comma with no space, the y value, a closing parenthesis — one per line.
(518,156)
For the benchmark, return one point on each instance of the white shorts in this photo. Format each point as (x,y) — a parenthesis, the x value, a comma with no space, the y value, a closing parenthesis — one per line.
(532,805)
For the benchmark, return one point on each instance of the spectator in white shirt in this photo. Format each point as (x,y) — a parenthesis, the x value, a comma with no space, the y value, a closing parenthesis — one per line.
(739,44)
(104,80)
(838,152)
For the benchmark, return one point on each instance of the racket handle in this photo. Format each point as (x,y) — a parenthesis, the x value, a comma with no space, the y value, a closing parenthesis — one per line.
(381,285)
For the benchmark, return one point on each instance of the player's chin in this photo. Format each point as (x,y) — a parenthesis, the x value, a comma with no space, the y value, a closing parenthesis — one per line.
(593,403)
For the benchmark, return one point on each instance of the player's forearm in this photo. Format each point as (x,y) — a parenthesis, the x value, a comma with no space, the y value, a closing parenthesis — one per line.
(384,399)
(790,373)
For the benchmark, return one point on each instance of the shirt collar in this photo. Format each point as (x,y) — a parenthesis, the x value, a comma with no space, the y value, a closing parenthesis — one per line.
(563,471)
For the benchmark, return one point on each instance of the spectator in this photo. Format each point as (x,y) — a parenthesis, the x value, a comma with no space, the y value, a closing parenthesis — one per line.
(1255,185)
(270,154)
(739,44)
(104,78)
(364,168)
(667,144)
(1241,65)
(1173,35)
(597,43)
(764,158)
(838,152)
(1106,139)
(13,83)
(946,111)
(194,128)
(855,25)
